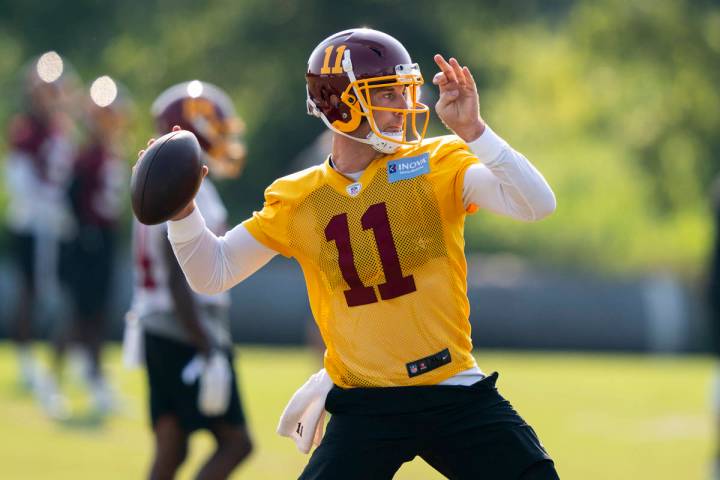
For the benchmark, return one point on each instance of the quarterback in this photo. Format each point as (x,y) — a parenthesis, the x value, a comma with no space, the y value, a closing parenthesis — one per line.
(378,231)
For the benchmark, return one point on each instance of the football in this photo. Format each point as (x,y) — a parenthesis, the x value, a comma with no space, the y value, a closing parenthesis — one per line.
(166,177)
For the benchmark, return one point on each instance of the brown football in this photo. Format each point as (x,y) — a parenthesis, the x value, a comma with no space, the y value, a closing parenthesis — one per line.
(166,177)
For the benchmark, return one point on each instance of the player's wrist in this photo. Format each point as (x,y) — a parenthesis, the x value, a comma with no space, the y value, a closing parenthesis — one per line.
(185,212)
(488,146)
(471,132)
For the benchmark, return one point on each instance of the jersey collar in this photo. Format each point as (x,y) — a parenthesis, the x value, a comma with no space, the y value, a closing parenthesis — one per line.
(341,183)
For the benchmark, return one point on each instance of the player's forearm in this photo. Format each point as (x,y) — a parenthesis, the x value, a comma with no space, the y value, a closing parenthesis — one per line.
(185,306)
(506,182)
(214,264)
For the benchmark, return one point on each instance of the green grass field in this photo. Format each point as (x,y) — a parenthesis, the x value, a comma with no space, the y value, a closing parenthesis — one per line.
(600,416)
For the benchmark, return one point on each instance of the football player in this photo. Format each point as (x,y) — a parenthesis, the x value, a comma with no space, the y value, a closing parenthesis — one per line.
(38,167)
(378,231)
(187,342)
(96,194)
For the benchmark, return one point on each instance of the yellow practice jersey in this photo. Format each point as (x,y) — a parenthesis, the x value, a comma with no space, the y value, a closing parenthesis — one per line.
(383,261)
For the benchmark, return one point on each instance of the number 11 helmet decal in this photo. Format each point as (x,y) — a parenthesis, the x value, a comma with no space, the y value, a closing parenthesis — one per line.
(342,72)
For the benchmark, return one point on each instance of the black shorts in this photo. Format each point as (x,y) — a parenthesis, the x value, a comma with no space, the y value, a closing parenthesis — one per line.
(464,432)
(22,247)
(87,269)
(165,359)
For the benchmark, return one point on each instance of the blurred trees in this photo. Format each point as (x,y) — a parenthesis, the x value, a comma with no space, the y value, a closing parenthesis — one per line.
(616,102)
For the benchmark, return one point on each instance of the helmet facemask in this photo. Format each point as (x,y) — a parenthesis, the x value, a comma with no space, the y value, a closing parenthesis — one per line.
(415,117)
(225,148)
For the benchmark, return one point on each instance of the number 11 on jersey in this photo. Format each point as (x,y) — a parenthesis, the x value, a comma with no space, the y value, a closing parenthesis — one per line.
(396,285)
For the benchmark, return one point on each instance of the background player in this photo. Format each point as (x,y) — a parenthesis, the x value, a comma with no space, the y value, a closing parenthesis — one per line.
(184,331)
(377,229)
(38,168)
(97,193)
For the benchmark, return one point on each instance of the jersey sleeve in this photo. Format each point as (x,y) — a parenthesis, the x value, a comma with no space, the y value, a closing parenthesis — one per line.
(269,226)
(449,161)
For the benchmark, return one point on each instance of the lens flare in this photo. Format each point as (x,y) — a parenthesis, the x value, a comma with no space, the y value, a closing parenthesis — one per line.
(195,88)
(103,91)
(49,67)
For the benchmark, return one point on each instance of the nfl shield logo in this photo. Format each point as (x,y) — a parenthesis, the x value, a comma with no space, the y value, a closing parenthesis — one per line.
(354,189)
(413,369)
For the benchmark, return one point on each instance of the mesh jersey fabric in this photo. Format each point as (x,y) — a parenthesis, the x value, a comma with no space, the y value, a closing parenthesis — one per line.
(383,261)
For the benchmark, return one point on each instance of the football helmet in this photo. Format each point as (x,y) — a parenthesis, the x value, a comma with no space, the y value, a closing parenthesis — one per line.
(342,72)
(207,111)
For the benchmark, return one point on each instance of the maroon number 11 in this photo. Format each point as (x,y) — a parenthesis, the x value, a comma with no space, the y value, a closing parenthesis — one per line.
(396,285)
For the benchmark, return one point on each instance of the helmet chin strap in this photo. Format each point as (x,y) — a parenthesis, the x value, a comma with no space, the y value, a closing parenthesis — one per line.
(384,146)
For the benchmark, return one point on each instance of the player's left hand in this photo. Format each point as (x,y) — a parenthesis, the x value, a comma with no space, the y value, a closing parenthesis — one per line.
(459,105)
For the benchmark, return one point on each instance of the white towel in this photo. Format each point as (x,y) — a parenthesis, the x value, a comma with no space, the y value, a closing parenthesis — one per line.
(303,419)
(132,347)
(215,385)
(215,377)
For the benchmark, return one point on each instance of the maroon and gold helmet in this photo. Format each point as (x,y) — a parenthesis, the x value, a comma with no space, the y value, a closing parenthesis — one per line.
(207,111)
(342,71)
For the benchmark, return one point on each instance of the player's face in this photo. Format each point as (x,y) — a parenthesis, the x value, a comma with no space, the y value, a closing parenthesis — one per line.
(106,123)
(45,99)
(390,97)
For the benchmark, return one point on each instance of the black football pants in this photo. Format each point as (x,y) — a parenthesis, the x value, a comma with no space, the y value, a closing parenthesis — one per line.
(464,432)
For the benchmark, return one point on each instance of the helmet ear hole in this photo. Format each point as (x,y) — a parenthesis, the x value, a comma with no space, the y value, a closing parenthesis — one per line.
(335,101)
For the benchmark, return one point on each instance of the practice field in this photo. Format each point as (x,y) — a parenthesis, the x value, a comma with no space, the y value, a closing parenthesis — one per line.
(600,416)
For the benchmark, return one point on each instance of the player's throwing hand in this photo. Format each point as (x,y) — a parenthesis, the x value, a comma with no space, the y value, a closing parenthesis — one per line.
(458,106)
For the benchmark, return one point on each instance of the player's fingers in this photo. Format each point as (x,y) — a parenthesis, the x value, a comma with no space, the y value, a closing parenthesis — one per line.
(445,100)
(176,128)
(469,79)
(150,142)
(457,70)
(448,96)
(440,62)
(445,67)
(140,153)
(439,79)
(205,171)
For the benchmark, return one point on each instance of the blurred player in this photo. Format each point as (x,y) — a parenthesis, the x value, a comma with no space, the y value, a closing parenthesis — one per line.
(378,231)
(96,193)
(37,171)
(186,335)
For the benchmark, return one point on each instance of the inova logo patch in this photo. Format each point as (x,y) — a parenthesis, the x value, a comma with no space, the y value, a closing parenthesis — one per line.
(408,167)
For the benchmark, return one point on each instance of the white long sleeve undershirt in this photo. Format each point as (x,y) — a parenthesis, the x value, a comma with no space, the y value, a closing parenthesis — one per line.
(505,182)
